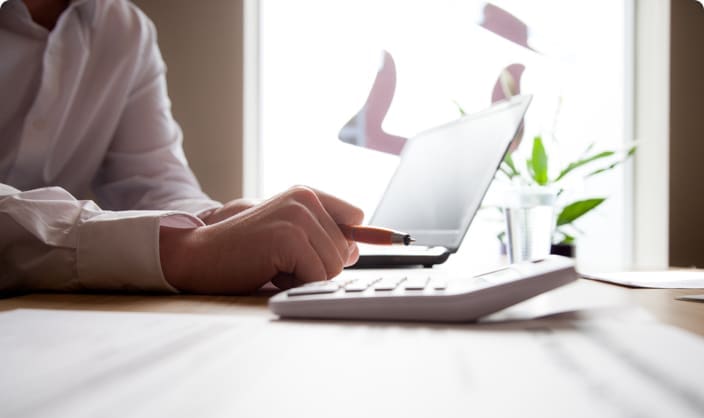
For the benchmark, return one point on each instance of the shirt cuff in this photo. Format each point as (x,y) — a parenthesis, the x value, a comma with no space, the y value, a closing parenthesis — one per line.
(120,250)
(197,207)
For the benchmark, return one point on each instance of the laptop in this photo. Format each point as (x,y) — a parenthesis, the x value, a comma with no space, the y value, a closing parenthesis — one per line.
(439,185)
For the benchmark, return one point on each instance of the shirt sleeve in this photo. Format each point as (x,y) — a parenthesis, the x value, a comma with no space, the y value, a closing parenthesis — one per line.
(51,241)
(145,166)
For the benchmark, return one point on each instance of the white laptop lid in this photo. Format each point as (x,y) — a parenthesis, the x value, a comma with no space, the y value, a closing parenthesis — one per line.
(445,172)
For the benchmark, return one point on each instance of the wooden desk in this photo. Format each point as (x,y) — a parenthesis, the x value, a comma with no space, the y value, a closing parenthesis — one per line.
(661,303)
(264,366)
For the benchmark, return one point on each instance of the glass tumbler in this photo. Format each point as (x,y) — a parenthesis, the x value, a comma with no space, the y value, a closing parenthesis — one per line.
(530,222)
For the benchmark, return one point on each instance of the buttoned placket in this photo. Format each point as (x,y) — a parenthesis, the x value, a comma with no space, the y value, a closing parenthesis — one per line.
(64,55)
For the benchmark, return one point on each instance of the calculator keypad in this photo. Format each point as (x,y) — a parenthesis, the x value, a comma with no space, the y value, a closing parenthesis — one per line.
(315,288)
(388,283)
(377,285)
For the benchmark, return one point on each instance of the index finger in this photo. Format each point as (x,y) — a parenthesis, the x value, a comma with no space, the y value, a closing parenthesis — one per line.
(340,211)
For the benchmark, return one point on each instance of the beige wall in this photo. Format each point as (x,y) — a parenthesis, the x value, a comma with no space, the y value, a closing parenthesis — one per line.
(202,45)
(686,134)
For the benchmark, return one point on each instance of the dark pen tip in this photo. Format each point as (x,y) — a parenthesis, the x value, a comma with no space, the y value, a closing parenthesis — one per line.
(407,240)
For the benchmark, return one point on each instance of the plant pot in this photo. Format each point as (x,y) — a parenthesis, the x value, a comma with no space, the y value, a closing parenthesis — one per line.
(567,250)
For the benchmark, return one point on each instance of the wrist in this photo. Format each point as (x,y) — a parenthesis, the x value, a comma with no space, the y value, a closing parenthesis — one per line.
(176,253)
(204,215)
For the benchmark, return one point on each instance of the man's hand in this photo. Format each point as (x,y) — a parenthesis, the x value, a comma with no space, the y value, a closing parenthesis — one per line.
(228,210)
(291,238)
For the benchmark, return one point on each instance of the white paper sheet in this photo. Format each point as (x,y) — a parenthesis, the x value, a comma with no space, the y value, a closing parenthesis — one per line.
(111,364)
(669,279)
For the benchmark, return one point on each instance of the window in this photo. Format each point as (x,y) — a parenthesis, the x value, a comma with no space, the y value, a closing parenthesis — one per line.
(319,59)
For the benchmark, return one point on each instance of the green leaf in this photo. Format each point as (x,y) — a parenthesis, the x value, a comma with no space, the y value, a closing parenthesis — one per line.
(562,237)
(506,172)
(567,239)
(584,161)
(576,209)
(539,162)
(508,161)
(628,155)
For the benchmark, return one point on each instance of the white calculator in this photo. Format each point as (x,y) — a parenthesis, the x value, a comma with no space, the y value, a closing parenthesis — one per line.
(422,294)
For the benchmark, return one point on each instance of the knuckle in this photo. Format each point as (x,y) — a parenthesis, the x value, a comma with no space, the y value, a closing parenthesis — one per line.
(296,213)
(304,194)
(290,234)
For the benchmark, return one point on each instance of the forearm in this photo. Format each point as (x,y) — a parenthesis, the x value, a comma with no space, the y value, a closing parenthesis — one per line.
(51,241)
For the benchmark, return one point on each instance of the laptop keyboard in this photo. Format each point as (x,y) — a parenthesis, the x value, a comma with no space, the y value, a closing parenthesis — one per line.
(377,285)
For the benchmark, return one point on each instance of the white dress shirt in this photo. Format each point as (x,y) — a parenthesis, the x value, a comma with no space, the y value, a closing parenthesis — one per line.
(84,114)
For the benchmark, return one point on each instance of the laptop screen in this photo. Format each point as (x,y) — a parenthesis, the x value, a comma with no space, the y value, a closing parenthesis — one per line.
(445,172)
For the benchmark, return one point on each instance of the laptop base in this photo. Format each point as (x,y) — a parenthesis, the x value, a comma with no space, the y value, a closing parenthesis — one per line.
(402,257)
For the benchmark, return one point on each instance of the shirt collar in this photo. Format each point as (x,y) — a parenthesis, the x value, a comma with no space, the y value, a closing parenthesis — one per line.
(87,8)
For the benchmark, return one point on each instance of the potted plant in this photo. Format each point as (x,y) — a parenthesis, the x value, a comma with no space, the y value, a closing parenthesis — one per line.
(535,172)
(535,169)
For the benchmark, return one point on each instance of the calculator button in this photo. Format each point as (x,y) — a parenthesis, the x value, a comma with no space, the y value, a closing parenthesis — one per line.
(361,284)
(388,283)
(357,286)
(416,283)
(438,284)
(315,288)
